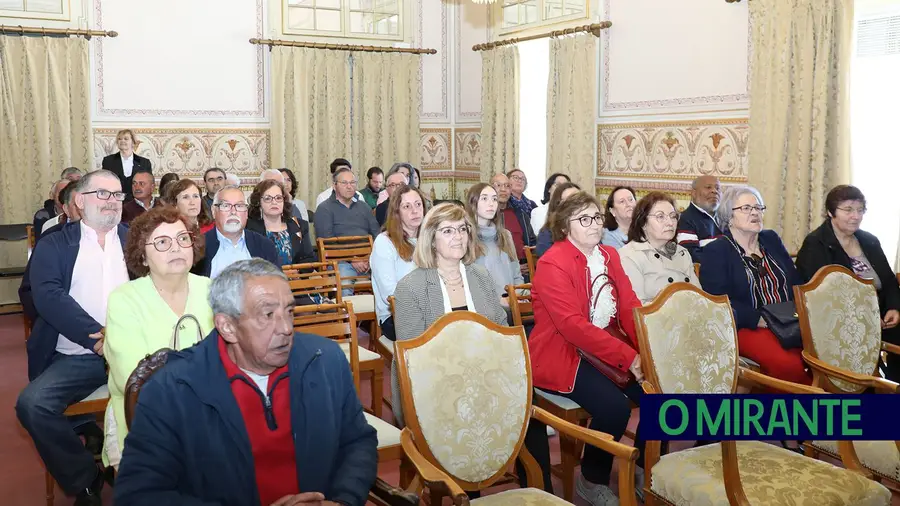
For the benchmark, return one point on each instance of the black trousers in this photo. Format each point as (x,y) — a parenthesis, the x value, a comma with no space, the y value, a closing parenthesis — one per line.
(387,328)
(610,409)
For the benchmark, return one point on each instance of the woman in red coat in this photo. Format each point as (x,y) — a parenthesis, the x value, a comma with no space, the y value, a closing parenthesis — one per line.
(582,300)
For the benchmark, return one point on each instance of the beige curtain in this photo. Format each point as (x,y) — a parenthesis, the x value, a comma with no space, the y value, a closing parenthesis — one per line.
(499,110)
(45,126)
(570,108)
(799,109)
(310,114)
(385,122)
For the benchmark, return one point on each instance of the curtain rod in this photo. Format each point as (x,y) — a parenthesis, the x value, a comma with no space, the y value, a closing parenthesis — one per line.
(56,31)
(594,28)
(342,47)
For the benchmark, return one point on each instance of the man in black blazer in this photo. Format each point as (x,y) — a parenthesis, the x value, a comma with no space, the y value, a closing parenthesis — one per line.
(229,241)
(126,163)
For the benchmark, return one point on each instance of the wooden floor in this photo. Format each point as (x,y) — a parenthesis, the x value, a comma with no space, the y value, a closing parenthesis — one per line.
(21,471)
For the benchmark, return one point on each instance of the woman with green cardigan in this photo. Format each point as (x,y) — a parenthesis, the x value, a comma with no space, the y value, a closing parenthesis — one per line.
(141,314)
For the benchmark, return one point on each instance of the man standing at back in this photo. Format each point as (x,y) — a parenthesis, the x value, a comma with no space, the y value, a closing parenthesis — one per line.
(73,273)
(697,225)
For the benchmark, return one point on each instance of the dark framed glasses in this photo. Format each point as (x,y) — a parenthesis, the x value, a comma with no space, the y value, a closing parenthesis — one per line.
(106,194)
(164,243)
(586,221)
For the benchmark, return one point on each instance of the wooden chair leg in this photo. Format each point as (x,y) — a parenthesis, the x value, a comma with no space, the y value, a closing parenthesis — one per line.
(50,485)
(569,457)
(377,390)
(407,473)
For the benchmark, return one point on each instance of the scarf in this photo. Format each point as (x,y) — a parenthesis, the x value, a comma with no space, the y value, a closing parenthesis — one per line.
(523,206)
(602,300)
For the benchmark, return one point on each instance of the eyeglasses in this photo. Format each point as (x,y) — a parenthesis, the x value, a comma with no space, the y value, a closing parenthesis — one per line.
(106,194)
(500,185)
(448,232)
(268,199)
(347,183)
(395,185)
(851,210)
(519,178)
(164,243)
(227,207)
(748,208)
(586,221)
(662,217)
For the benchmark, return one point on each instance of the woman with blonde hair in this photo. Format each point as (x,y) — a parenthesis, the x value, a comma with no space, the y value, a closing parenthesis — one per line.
(126,163)
(493,244)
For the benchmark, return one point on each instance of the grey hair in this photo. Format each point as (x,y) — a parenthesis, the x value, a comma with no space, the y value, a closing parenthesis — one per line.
(226,292)
(218,197)
(233,179)
(729,197)
(271,172)
(84,184)
(388,177)
(68,171)
(338,172)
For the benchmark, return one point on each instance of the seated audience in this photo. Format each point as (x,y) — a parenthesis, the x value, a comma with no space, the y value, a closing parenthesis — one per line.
(392,251)
(493,244)
(515,219)
(839,241)
(751,266)
(52,207)
(576,315)
(395,179)
(375,178)
(270,216)
(345,215)
(652,259)
(126,163)
(298,207)
(71,173)
(69,210)
(254,414)
(617,217)
(142,189)
(229,242)
(214,180)
(698,225)
(545,237)
(73,272)
(142,314)
(338,163)
(539,213)
(167,179)
(185,196)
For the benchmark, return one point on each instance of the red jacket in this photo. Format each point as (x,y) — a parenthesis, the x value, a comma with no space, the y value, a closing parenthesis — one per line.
(562,322)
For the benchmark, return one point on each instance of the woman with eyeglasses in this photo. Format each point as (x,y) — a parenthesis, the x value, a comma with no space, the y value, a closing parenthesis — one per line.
(651,258)
(752,267)
(142,314)
(269,216)
(584,345)
(839,241)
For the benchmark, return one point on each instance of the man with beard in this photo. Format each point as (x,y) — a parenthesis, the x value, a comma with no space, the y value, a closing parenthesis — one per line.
(697,225)
(229,242)
(74,271)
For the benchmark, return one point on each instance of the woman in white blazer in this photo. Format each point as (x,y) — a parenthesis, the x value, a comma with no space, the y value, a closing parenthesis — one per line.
(651,258)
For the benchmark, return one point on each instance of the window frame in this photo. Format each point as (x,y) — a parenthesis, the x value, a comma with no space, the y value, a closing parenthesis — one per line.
(40,16)
(345,32)
(542,22)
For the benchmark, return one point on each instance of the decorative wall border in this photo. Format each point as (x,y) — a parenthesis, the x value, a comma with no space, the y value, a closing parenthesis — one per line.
(674,150)
(443,115)
(260,80)
(468,148)
(672,102)
(436,148)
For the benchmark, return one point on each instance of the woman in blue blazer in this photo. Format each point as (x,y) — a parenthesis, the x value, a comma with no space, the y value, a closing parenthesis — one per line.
(753,268)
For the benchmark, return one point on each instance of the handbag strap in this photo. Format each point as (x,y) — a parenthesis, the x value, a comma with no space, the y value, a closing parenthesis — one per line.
(179,327)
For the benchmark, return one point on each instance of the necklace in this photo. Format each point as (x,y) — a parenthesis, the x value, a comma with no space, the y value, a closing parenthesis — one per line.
(452,284)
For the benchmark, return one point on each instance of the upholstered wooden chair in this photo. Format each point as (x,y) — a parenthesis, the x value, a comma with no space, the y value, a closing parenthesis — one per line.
(688,342)
(467,397)
(351,249)
(380,494)
(841,327)
(532,263)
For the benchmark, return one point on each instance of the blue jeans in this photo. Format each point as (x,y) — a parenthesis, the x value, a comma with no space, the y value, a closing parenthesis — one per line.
(347,271)
(40,408)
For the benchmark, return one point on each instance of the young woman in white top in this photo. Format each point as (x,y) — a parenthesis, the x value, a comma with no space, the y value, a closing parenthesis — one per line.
(393,250)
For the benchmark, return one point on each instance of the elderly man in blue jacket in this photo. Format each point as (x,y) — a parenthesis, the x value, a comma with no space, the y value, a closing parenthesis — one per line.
(254,415)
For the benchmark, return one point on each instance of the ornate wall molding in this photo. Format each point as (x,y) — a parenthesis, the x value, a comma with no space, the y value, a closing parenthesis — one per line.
(460,114)
(468,148)
(260,81)
(674,150)
(189,152)
(442,54)
(435,147)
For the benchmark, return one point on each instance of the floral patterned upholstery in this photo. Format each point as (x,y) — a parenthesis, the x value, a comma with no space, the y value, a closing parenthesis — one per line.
(879,456)
(845,325)
(770,475)
(470,392)
(692,343)
(520,497)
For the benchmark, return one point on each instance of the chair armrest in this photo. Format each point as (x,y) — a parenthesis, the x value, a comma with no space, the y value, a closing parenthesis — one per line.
(648,388)
(890,348)
(862,380)
(384,494)
(759,379)
(434,478)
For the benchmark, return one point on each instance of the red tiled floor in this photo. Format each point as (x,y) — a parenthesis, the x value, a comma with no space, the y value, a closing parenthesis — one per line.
(21,471)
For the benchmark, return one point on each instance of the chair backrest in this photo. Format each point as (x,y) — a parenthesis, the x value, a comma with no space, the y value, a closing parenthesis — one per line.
(336,322)
(391,306)
(688,341)
(317,278)
(520,304)
(141,375)
(697,269)
(529,257)
(465,385)
(32,238)
(349,249)
(840,323)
